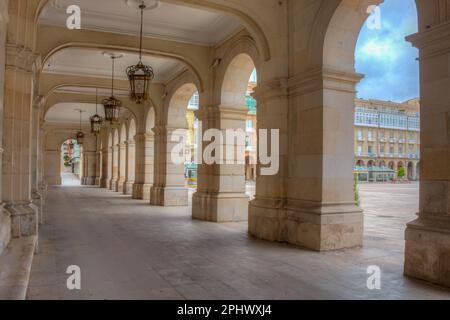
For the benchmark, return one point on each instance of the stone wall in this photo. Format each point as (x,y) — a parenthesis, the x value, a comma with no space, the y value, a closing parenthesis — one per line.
(5,220)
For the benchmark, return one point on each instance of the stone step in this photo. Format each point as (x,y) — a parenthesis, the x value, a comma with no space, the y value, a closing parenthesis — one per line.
(15,268)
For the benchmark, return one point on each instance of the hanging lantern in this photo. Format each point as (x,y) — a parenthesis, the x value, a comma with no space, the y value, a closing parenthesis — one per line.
(80,134)
(96,120)
(112,105)
(140,75)
(71,145)
(80,138)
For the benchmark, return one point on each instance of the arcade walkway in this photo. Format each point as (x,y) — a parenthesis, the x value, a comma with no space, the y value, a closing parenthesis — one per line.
(127,249)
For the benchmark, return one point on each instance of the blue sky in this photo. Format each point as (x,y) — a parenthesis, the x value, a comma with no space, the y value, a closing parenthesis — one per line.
(387,60)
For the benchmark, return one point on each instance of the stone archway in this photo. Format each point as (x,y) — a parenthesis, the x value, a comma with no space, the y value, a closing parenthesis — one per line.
(145,147)
(224,198)
(170,187)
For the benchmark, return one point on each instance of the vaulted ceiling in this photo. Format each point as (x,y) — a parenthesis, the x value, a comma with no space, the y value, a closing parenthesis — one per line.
(162,20)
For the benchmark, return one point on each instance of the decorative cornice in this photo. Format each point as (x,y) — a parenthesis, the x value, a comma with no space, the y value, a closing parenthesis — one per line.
(273,89)
(22,58)
(39,102)
(432,42)
(319,79)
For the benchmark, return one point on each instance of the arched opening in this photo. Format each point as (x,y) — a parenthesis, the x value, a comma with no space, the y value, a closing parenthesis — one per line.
(178,151)
(192,140)
(225,198)
(371,50)
(71,163)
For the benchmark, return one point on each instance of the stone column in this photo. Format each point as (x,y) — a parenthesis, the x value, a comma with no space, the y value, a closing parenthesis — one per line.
(267,211)
(427,254)
(114,168)
(36,193)
(98,167)
(170,183)
(130,167)
(145,154)
(52,167)
(90,159)
(106,171)
(17,124)
(221,196)
(321,213)
(122,167)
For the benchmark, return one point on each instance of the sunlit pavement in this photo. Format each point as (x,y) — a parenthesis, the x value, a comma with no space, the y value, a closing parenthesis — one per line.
(127,249)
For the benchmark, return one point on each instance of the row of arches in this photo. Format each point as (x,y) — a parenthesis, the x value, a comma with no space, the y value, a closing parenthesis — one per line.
(412,167)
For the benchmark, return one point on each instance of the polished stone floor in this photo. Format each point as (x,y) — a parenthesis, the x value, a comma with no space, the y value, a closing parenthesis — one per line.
(129,250)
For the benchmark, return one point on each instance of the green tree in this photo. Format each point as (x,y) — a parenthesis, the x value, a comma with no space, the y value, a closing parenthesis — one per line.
(355,189)
(401,173)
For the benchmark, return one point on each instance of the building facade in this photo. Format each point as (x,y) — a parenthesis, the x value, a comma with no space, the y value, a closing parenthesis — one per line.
(387,138)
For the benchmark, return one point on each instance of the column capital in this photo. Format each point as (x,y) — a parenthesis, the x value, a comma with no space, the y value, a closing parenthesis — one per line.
(39,102)
(432,41)
(323,78)
(271,89)
(22,58)
(216,112)
(145,136)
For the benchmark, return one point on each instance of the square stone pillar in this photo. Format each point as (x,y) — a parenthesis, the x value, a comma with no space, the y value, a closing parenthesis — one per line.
(145,155)
(321,213)
(221,195)
(267,211)
(122,167)
(52,167)
(106,171)
(98,168)
(114,168)
(130,167)
(427,253)
(312,205)
(17,143)
(90,159)
(170,183)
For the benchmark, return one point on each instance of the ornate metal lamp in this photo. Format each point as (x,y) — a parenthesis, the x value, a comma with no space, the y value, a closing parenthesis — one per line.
(80,134)
(96,120)
(112,105)
(140,75)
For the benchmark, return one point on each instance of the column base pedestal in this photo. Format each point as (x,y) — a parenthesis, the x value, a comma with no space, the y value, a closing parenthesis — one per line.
(5,228)
(104,183)
(220,207)
(169,197)
(128,188)
(427,252)
(309,225)
(113,185)
(24,219)
(38,201)
(97,181)
(119,185)
(141,191)
(89,181)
